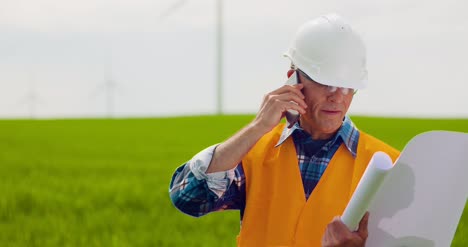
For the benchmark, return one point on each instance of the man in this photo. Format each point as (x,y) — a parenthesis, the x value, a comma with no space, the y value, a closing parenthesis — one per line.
(290,182)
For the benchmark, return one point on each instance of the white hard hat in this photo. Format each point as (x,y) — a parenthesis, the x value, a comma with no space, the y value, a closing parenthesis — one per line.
(330,52)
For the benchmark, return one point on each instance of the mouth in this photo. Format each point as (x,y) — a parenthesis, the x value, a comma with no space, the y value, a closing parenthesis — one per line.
(331,112)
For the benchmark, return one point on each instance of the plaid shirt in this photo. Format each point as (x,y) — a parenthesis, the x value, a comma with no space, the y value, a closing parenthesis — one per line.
(197,194)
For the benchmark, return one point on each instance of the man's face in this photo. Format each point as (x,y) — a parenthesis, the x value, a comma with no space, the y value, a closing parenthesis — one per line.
(325,109)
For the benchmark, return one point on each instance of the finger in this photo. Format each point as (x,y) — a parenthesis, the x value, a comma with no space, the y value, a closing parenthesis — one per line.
(338,230)
(288,105)
(276,107)
(296,89)
(289,97)
(327,239)
(296,107)
(299,87)
(362,230)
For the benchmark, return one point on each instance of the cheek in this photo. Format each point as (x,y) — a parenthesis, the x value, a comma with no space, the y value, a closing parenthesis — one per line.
(313,106)
(347,101)
(313,99)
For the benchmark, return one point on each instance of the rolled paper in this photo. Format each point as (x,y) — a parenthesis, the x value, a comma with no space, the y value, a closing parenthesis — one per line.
(376,171)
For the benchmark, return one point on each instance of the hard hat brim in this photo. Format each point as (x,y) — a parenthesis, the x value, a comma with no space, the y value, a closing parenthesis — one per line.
(328,75)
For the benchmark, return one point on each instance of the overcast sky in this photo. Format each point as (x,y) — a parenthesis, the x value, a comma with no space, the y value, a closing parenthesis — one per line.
(163,63)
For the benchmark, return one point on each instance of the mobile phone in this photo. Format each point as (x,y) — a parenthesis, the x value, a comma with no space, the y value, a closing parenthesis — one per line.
(292,116)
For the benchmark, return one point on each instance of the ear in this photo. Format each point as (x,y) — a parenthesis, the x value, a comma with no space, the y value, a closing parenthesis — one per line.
(290,72)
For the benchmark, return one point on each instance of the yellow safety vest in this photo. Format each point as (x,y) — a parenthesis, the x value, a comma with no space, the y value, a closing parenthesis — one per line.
(276,212)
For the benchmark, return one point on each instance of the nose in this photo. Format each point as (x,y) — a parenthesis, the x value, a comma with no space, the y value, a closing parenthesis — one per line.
(336,97)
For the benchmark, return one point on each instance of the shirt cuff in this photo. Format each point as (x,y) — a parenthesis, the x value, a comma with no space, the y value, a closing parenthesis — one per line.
(218,182)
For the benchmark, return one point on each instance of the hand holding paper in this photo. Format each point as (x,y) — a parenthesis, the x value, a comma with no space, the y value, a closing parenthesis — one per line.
(373,177)
(398,196)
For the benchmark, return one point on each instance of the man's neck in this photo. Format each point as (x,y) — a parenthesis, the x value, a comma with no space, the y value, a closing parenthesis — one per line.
(318,135)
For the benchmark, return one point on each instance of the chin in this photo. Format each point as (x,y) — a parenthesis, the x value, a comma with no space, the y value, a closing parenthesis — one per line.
(324,125)
(331,128)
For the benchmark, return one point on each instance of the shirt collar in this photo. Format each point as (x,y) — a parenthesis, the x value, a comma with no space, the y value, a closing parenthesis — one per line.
(347,132)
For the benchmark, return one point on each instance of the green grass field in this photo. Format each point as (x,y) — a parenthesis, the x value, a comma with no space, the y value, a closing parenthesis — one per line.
(105,182)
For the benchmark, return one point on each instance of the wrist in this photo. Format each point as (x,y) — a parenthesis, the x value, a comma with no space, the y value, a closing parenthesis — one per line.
(257,128)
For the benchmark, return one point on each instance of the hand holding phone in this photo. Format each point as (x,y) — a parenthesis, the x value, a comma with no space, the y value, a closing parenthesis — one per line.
(292,116)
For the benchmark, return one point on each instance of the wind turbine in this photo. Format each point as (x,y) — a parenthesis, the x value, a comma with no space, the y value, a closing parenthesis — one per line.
(108,88)
(218,50)
(31,99)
